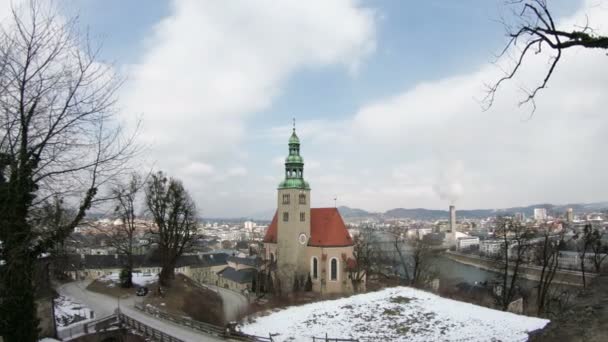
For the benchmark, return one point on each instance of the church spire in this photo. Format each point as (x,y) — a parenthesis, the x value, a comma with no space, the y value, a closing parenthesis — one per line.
(294,164)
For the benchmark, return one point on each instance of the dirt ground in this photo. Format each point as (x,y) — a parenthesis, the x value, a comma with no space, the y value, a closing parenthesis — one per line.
(115,291)
(185,297)
(586,320)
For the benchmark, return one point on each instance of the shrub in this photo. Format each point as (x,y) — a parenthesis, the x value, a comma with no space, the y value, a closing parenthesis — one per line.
(125,278)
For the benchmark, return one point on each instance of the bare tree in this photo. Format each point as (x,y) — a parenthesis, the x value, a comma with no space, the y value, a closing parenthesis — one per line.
(533,29)
(422,262)
(515,245)
(415,258)
(599,250)
(546,255)
(365,253)
(122,237)
(583,245)
(175,219)
(398,242)
(57,140)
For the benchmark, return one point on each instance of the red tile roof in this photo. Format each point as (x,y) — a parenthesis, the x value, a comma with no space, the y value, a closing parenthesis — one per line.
(326,229)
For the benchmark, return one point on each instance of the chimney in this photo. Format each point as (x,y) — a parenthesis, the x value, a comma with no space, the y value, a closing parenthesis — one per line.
(452,219)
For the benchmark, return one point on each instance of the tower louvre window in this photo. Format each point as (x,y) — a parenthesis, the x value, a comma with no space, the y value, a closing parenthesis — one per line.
(302,198)
(302,217)
(285,198)
(315,273)
(285,217)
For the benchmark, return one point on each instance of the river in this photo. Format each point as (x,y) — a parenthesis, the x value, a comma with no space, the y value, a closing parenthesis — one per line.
(453,272)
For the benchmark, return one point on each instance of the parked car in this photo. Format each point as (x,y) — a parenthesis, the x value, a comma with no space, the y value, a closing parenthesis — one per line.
(142,291)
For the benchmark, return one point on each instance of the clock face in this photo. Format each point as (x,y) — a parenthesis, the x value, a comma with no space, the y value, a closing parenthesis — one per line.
(302,239)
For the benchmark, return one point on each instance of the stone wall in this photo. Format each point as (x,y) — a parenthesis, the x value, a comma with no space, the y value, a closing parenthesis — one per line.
(44,307)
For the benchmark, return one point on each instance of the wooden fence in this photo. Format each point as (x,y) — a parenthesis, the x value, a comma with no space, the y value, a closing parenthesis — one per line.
(332,339)
(207,328)
(222,332)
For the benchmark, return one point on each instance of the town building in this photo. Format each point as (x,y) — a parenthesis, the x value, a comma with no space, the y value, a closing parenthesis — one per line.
(468,242)
(490,247)
(540,214)
(570,215)
(305,245)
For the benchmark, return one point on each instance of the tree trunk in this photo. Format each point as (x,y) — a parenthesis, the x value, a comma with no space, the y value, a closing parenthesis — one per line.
(167,274)
(583,271)
(19,306)
(18,309)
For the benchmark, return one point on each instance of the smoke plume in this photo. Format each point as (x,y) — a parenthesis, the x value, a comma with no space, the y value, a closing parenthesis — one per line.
(449,185)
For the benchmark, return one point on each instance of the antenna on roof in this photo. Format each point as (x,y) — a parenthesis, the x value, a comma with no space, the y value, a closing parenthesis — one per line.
(335,201)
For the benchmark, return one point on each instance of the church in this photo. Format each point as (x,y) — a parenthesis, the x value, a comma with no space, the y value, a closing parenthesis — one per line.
(306,245)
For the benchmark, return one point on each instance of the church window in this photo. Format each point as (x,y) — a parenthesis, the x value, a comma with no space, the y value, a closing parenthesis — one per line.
(302,217)
(333,275)
(302,199)
(285,217)
(315,266)
(285,198)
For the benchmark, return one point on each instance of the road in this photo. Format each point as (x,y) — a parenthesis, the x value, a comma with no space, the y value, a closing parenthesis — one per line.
(235,304)
(105,305)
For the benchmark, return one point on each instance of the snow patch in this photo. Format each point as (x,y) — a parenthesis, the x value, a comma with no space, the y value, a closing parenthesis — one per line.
(395,314)
(139,279)
(68,312)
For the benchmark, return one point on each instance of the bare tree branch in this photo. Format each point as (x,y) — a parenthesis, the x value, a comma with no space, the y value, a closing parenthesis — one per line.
(533,26)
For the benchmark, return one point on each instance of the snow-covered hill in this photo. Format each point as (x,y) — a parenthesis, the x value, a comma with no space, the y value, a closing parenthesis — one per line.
(395,314)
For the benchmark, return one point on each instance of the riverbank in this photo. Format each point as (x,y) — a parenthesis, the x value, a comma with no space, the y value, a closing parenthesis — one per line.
(562,277)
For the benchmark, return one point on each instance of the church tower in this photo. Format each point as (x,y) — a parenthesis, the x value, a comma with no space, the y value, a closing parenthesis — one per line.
(293,220)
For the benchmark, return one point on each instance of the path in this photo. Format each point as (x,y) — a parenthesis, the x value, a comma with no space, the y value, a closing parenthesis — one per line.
(104,305)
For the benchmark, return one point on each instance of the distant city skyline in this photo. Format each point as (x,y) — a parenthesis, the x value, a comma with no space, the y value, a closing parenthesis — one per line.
(385,94)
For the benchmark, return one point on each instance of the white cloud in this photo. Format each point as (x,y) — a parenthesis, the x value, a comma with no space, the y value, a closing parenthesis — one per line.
(237,171)
(432,144)
(6,7)
(198,168)
(210,65)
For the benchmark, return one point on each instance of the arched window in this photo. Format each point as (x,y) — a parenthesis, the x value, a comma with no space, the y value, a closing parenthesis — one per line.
(333,267)
(302,199)
(315,267)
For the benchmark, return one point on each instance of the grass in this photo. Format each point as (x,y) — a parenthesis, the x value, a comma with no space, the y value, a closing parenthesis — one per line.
(400,300)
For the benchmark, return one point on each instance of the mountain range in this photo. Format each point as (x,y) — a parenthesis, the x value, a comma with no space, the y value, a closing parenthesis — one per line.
(435,214)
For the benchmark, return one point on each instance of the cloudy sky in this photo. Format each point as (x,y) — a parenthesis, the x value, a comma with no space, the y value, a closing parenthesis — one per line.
(385,94)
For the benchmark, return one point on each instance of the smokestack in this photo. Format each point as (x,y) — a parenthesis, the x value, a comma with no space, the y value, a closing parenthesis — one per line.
(452,219)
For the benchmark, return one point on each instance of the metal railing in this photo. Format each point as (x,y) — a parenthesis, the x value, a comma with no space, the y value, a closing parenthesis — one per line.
(146,330)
